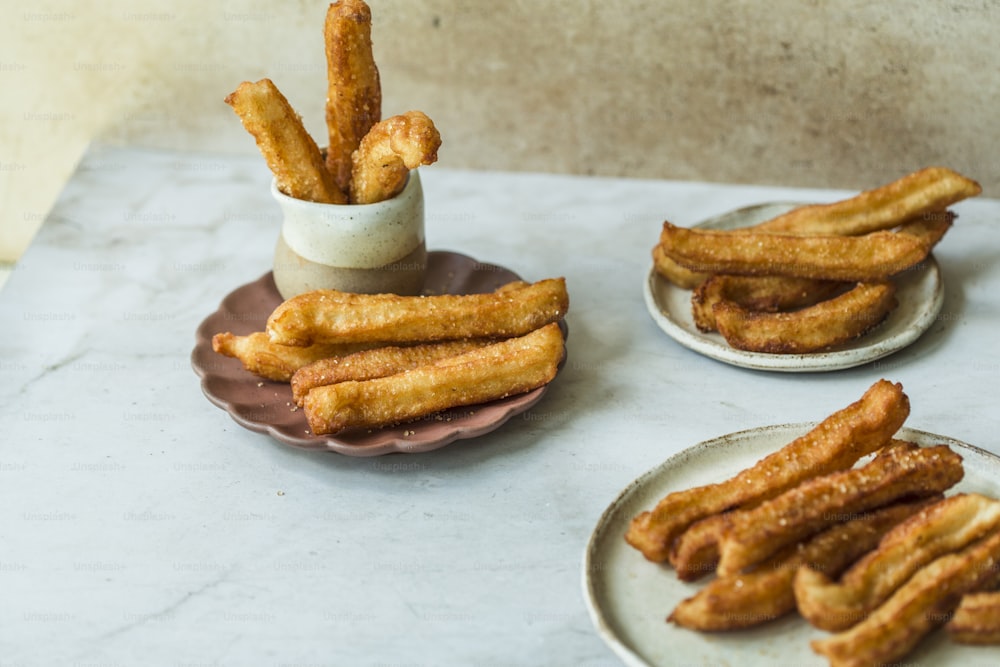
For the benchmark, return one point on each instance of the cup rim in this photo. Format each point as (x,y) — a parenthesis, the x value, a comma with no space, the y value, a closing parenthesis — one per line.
(412,179)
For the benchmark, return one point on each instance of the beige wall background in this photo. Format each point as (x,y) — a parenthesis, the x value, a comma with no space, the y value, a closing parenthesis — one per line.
(842,93)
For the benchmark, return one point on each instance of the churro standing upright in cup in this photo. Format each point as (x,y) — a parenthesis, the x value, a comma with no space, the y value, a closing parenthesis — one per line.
(354,92)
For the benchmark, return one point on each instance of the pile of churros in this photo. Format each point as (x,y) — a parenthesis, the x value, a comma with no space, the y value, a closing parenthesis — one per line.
(849,526)
(365,361)
(818,276)
(367,158)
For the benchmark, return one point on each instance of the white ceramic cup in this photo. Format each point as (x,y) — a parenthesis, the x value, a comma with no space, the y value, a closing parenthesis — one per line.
(364,248)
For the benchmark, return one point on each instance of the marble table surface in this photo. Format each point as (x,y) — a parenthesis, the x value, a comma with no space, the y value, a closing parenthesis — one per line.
(139,524)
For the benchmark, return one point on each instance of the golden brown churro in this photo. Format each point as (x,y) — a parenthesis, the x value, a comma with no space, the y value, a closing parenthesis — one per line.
(900,470)
(354,92)
(921,194)
(869,257)
(835,444)
(768,294)
(374,363)
(512,366)
(332,316)
(947,526)
(272,361)
(290,152)
(918,194)
(387,154)
(922,604)
(810,329)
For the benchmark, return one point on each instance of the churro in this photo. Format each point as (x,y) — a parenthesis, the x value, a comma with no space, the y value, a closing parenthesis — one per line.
(811,329)
(272,361)
(374,363)
(925,602)
(388,152)
(869,257)
(291,154)
(354,92)
(947,526)
(900,470)
(835,443)
(512,366)
(333,316)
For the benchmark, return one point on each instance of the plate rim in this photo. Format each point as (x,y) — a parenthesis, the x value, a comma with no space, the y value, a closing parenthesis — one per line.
(409,442)
(713,346)
(600,534)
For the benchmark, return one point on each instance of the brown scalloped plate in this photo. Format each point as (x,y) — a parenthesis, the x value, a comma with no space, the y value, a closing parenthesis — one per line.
(266,407)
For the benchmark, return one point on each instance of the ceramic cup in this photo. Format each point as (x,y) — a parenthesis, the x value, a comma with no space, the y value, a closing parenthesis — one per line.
(364,248)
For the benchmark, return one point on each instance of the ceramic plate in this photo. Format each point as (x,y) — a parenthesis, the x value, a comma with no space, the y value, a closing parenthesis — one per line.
(920,293)
(629,597)
(266,407)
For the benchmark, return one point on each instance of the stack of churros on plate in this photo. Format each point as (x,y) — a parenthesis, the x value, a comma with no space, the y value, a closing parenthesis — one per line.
(364,361)
(846,524)
(367,158)
(817,276)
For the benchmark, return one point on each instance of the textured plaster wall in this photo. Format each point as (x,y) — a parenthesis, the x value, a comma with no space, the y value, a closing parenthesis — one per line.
(843,93)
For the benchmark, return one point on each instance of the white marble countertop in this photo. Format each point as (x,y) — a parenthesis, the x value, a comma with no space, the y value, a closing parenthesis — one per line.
(140,525)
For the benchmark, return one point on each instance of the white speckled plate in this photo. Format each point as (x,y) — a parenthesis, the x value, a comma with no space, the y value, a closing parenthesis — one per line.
(920,292)
(629,597)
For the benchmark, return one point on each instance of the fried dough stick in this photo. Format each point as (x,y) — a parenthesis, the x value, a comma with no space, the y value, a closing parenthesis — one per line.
(745,600)
(869,257)
(333,316)
(811,329)
(919,194)
(920,605)
(947,526)
(510,367)
(696,552)
(290,152)
(899,471)
(835,443)
(354,91)
(922,193)
(977,619)
(758,293)
(374,363)
(388,152)
(272,361)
